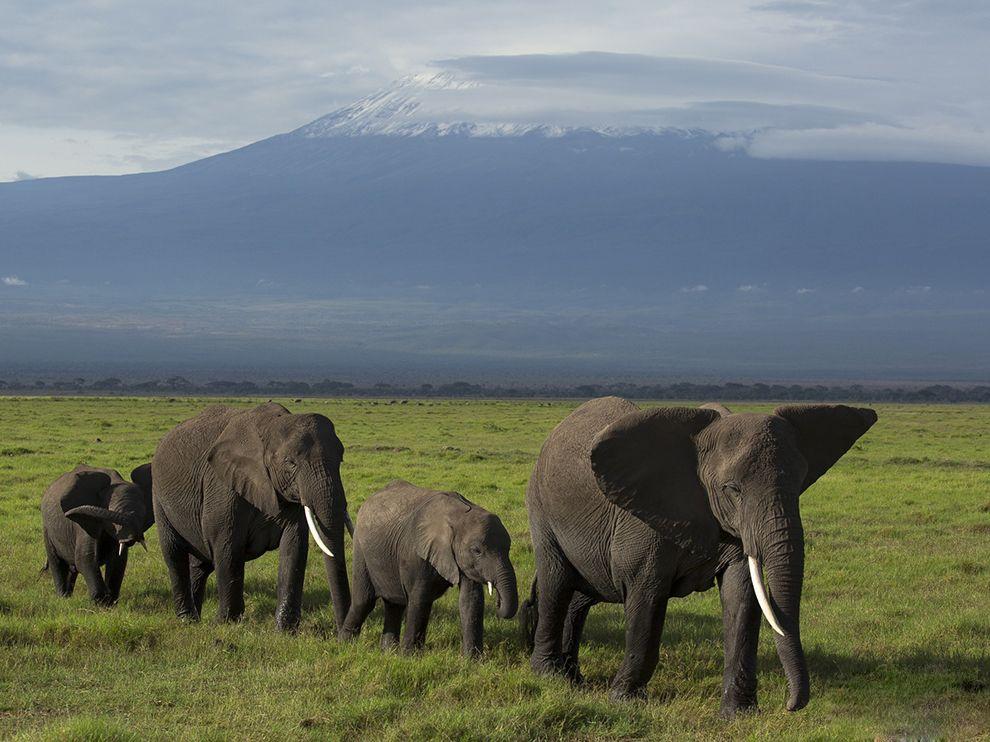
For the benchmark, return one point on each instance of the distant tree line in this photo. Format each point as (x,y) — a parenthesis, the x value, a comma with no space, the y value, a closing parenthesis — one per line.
(178,385)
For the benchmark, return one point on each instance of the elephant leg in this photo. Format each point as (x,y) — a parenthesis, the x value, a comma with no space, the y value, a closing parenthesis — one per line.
(362,599)
(340,591)
(417,618)
(471,606)
(230,584)
(577,613)
(176,556)
(99,593)
(555,578)
(199,572)
(391,623)
(292,553)
(740,638)
(115,569)
(63,575)
(645,608)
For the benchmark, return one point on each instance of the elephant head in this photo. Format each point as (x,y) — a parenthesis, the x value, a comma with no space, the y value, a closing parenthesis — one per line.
(271,458)
(675,468)
(100,501)
(460,538)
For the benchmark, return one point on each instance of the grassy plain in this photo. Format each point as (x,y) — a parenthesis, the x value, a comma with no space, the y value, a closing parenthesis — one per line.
(896,615)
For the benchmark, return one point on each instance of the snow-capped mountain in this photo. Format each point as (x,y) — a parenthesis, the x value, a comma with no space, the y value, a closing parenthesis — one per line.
(503,220)
(443,104)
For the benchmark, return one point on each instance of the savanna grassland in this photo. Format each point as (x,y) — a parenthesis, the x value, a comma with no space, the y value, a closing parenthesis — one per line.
(895,619)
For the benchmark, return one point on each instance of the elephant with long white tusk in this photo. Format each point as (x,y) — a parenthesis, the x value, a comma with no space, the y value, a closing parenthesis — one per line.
(637,506)
(232,484)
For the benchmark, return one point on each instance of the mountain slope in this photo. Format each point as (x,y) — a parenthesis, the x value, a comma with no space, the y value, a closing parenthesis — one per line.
(652,230)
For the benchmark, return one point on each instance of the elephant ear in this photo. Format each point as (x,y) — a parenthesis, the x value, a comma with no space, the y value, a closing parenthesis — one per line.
(721,409)
(825,433)
(141,476)
(646,463)
(435,538)
(238,459)
(84,498)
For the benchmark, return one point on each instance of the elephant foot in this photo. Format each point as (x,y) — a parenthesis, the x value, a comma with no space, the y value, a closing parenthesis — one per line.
(390,642)
(287,621)
(572,671)
(622,692)
(345,634)
(733,707)
(548,665)
(104,601)
(188,616)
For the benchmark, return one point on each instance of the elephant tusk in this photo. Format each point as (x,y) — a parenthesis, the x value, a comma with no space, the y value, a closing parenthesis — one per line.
(120,548)
(761,595)
(489,588)
(316,534)
(349,523)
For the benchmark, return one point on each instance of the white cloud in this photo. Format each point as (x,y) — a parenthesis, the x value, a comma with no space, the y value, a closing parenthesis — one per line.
(698,289)
(13,281)
(858,290)
(803,291)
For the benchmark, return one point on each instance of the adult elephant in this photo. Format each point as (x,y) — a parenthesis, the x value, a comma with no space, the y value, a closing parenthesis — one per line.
(230,485)
(635,506)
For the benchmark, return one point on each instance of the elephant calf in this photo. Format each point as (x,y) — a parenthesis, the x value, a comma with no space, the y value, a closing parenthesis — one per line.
(410,545)
(90,516)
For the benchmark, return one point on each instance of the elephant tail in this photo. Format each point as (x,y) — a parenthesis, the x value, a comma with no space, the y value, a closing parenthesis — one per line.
(528,615)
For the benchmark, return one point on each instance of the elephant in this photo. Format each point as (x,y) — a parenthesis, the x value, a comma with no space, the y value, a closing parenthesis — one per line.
(410,545)
(635,506)
(232,484)
(90,518)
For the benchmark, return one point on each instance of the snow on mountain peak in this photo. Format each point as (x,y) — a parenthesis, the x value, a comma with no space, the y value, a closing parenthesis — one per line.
(445,104)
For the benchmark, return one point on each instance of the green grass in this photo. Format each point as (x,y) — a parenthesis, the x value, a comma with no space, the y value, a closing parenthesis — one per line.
(896,616)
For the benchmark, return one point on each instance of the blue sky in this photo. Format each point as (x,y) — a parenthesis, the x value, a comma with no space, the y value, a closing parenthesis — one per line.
(109,86)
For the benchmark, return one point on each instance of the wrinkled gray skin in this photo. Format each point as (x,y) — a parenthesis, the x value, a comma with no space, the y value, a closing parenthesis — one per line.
(635,506)
(90,518)
(230,485)
(410,545)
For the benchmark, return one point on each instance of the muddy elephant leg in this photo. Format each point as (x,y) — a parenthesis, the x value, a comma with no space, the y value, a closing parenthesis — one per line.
(577,613)
(391,623)
(555,577)
(176,556)
(199,572)
(293,549)
(740,638)
(362,598)
(645,609)
(115,569)
(471,607)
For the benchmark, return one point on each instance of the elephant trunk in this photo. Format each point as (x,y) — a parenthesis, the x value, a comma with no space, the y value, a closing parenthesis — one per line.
(323,497)
(508,594)
(783,559)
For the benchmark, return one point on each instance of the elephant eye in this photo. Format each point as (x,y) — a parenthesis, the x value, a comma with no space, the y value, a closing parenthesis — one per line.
(731,488)
(476,550)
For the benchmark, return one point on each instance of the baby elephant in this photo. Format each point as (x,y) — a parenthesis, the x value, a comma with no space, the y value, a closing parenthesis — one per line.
(90,517)
(410,545)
